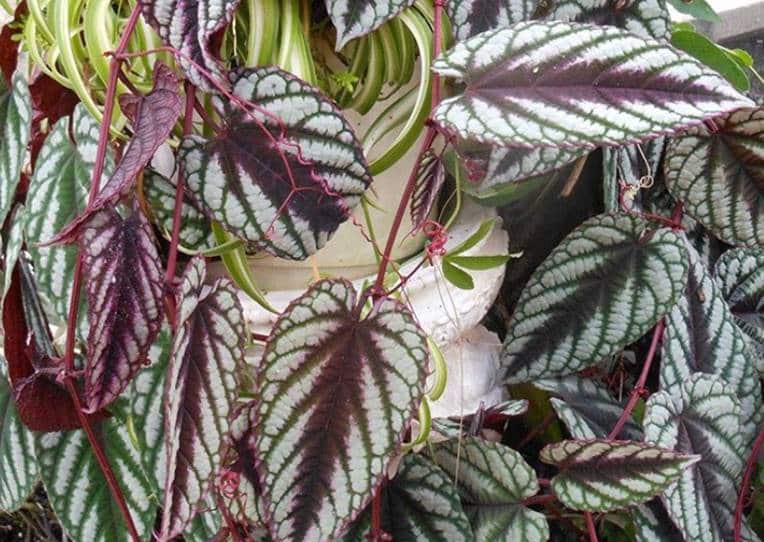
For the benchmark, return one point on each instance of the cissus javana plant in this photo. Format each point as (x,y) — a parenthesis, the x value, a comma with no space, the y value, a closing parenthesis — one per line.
(631,176)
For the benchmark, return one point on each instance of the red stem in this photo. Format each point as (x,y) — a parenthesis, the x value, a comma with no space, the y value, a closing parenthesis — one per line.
(591,527)
(74,302)
(177,217)
(747,475)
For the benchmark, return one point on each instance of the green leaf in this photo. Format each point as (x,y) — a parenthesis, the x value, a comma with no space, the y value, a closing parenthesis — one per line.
(599,290)
(319,463)
(479,263)
(419,504)
(713,56)
(700,415)
(16,122)
(575,86)
(699,9)
(18,468)
(701,336)
(483,231)
(59,192)
(78,492)
(493,481)
(740,273)
(457,277)
(605,475)
(586,407)
(718,174)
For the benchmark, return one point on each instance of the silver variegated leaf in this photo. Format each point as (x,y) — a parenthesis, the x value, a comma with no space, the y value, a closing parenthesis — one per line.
(18,468)
(16,122)
(605,475)
(355,18)
(13,245)
(125,287)
(586,408)
(59,188)
(740,273)
(701,336)
(644,18)
(701,415)
(420,504)
(471,17)
(599,290)
(200,392)
(493,480)
(652,523)
(190,27)
(78,492)
(719,175)
(572,85)
(195,228)
(320,464)
(284,181)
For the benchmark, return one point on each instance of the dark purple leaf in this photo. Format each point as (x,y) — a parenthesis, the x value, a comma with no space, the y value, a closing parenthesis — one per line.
(193,27)
(153,117)
(124,286)
(430,178)
(200,391)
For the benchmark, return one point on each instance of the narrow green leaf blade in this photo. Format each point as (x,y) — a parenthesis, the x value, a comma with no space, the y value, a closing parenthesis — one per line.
(575,85)
(601,289)
(604,475)
(457,277)
(493,480)
(713,56)
(479,263)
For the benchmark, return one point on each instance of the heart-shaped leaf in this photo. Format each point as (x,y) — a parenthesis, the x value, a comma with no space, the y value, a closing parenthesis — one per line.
(493,481)
(191,26)
(740,273)
(18,468)
(200,392)
(125,286)
(604,475)
(701,415)
(153,117)
(337,393)
(719,175)
(283,181)
(586,408)
(60,186)
(599,290)
(16,122)
(471,17)
(419,504)
(575,85)
(644,18)
(78,492)
(701,337)
(359,17)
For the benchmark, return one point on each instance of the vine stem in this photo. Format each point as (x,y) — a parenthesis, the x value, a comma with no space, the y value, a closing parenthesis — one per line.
(591,527)
(744,485)
(177,217)
(115,66)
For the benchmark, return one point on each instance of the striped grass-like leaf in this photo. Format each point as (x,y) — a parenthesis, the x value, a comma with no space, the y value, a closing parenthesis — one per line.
(471,17)
(701,336)
(493,481)
(337,390)
(125,286)
(283,186)
(59,189)
(701,415)
(645,18)
(572,85)
(604,475)
(719,175)
(190,26)
(16,122)
(740,273)
(200,391)
(78,492)
(195,229)
(355,18)
(586,408)
(599,290)
(419,504)
(18,469)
